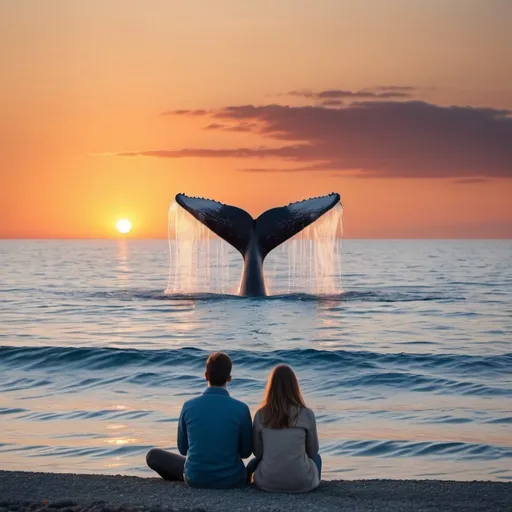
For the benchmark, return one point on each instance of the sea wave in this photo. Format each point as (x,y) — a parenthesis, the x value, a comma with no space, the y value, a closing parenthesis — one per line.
(326,370)
(28,357)
(391,448)
(416,294)
(352,448)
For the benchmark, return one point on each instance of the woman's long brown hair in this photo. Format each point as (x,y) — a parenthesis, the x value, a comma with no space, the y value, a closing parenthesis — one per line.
(282,398)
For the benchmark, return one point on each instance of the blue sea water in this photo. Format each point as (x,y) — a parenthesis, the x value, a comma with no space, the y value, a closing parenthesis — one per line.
(408,370)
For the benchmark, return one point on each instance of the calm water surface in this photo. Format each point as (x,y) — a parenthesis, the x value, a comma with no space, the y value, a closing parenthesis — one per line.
(408,370)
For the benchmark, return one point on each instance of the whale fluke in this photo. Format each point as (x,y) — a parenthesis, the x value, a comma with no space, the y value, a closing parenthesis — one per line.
(229,222)
(255,238)
(277,225)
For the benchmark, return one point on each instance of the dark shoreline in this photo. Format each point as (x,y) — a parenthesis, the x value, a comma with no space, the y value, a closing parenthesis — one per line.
(25,491)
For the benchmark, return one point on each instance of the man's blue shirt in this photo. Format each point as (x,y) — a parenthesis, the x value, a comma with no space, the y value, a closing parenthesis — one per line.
(215,433)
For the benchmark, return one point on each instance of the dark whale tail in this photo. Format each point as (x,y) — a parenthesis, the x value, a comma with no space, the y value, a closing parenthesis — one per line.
(255,238)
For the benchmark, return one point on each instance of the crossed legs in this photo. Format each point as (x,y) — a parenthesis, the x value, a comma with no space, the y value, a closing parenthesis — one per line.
(168,465)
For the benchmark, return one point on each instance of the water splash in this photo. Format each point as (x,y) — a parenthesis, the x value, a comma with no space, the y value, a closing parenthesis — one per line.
(314,259)
(202,262)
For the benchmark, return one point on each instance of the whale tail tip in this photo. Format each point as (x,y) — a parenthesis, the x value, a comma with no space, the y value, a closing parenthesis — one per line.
(269,230)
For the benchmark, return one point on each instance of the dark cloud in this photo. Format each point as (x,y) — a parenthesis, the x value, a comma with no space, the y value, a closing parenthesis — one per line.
(185,112)
(331,103)
(243,127)
(267,170)
(397,88)
(378,138)
(239,127)
(363,94)
(198,153)
(215,126)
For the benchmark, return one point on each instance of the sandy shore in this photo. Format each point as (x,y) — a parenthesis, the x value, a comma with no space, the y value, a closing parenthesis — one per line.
(24,491)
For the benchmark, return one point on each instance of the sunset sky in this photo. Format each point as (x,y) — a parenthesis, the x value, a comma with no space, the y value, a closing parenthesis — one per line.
(111,107)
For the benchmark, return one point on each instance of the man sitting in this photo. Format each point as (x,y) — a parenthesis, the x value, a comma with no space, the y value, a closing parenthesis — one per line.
(214,432)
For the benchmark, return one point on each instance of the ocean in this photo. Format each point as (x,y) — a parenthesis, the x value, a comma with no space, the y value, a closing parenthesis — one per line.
(408,369)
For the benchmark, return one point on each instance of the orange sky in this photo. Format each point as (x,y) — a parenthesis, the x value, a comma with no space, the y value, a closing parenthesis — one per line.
(85,81)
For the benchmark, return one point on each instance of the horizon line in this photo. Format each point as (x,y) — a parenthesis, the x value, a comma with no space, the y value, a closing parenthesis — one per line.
(119,238)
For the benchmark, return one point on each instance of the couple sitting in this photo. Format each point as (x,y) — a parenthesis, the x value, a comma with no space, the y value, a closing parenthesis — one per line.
(215,433)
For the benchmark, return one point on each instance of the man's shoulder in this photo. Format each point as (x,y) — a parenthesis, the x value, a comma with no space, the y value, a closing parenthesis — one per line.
(191,402)
(201,401)
(238,404)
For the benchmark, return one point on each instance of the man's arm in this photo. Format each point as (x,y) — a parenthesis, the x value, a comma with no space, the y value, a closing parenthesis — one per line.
(245,445)
(182,434)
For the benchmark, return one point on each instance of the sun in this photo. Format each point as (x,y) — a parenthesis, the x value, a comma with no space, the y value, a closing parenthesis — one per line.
(124,226)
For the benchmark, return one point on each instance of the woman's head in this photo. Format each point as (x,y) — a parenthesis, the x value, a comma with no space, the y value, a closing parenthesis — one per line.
(282,396)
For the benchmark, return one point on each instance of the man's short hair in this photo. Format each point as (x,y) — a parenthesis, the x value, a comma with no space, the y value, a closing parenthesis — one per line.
(218,369)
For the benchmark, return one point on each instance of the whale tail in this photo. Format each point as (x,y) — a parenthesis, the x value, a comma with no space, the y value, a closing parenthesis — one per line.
(269,230)
(255,238)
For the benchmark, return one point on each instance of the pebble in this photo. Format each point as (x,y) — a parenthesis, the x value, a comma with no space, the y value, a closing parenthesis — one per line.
(62,503)
(43,492)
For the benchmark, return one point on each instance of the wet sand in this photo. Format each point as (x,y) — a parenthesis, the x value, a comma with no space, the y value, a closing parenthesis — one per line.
(25,491)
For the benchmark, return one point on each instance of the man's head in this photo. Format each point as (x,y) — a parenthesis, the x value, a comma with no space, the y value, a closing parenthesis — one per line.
(218,369)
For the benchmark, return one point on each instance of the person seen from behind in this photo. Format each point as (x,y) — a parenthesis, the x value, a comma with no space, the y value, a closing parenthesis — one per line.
(214,435)
(285,439)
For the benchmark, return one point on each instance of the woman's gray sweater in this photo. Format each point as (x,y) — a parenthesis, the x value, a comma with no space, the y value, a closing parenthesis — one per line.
(286,454)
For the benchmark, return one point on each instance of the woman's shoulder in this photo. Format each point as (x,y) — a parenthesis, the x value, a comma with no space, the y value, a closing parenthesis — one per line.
(306,413)
(257,415)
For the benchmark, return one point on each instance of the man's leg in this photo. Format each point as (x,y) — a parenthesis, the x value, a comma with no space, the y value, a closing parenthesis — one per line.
(168,465)
(318,461)
(251,468)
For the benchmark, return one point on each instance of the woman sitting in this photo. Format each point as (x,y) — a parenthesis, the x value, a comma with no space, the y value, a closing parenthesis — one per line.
(285,440)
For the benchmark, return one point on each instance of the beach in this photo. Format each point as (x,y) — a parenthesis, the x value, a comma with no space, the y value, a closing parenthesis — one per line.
(21,491)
